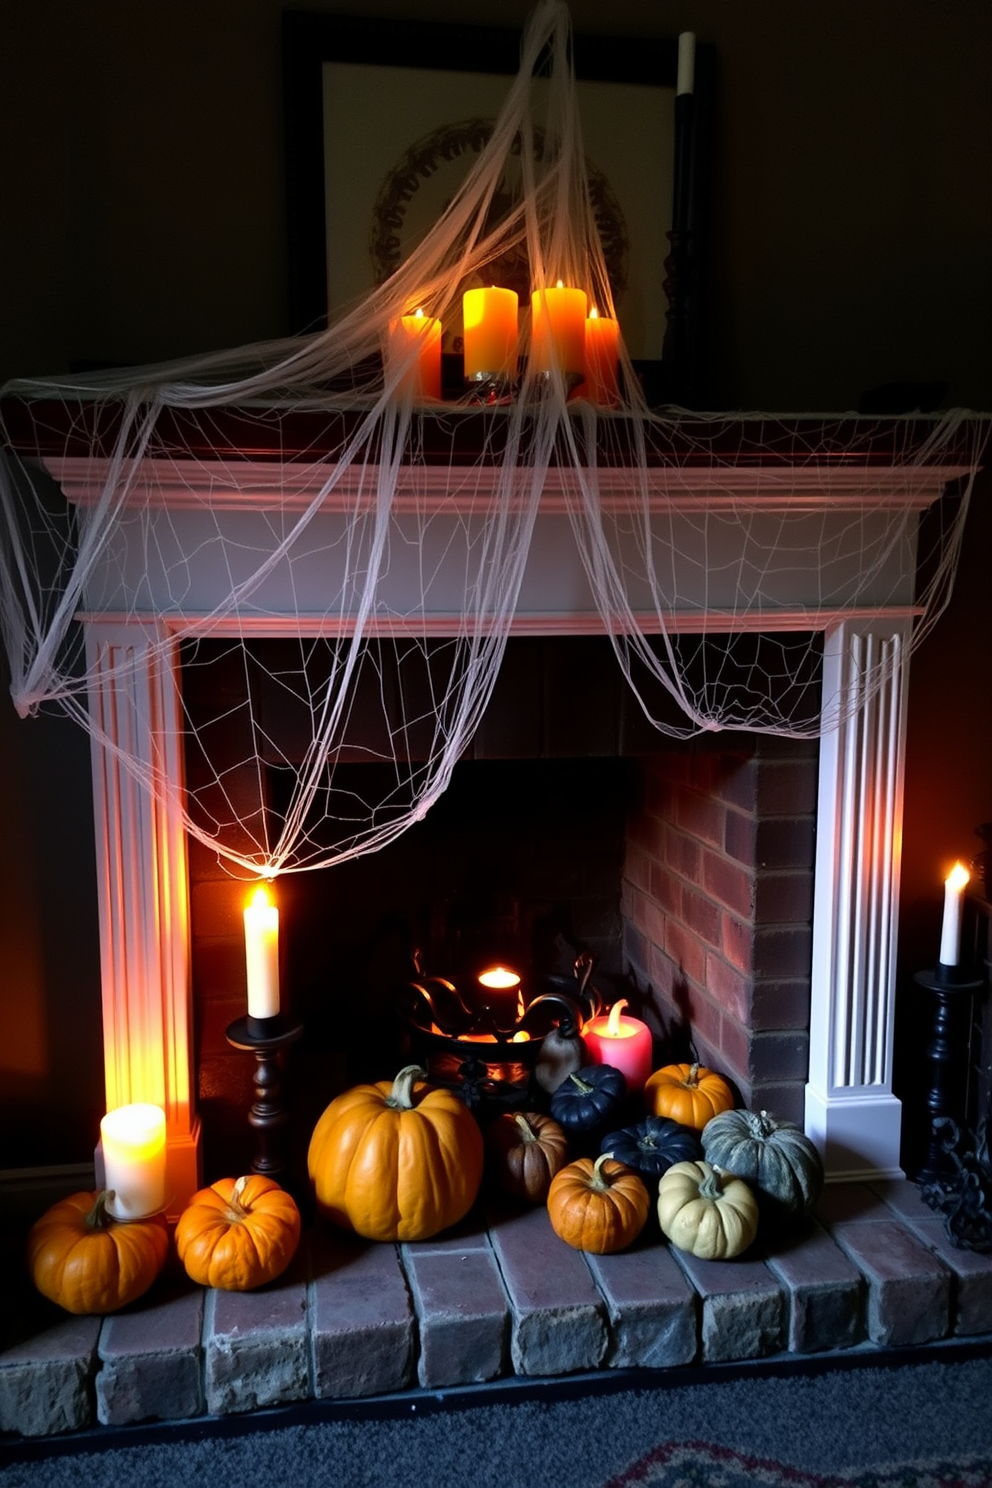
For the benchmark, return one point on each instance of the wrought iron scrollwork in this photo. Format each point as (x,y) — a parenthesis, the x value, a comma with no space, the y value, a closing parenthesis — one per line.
(962,1194)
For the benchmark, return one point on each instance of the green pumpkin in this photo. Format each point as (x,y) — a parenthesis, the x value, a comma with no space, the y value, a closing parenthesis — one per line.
(589,1098)
(775,1157)
(652,1145)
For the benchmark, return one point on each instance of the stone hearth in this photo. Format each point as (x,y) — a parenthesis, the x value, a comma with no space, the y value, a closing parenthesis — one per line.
(497,1298)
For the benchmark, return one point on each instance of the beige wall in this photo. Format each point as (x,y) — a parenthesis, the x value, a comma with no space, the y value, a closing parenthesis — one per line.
(143,218)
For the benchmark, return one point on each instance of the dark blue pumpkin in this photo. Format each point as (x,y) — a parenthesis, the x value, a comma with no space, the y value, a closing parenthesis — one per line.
(652,1145)
(590,1097)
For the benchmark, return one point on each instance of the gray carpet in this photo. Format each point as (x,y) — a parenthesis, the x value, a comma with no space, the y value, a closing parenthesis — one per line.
(836,1421)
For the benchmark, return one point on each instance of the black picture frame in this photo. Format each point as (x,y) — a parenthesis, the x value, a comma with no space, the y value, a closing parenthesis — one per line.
(310,39)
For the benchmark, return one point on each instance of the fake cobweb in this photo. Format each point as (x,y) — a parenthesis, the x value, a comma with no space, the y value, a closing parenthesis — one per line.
(338,566)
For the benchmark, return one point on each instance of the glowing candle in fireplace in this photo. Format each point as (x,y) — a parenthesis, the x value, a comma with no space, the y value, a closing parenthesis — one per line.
(625,1043)
(950,935)
(501,994)
(262,955)
(133,1143)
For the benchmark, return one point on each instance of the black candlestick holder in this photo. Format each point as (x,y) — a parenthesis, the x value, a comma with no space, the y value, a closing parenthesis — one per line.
(266,1038)
(953,988)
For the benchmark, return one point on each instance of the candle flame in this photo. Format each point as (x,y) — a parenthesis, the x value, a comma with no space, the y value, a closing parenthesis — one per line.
(613,1021)
(594,313)
(260,899)
(958,876)
(560,285)
(418,314)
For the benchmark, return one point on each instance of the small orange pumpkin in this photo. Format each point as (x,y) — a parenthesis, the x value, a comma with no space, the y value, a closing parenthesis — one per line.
(690,1094)
(238,1234)
(599,1206)
(397,1160)
(526,1150)
(88,1262)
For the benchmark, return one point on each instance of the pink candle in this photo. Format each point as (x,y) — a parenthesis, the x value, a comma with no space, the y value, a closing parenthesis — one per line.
(625,1043)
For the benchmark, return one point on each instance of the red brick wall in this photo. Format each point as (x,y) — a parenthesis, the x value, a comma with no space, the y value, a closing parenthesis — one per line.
(717,899)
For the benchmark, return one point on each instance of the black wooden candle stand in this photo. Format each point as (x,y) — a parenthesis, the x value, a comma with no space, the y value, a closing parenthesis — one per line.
(266,1038)
(953,988)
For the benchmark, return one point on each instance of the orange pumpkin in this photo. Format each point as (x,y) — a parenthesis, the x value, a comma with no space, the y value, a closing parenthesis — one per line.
(599,1206)
(526,1149)
(396,1160)
(88,1262)
(690,1094)
(238,1233)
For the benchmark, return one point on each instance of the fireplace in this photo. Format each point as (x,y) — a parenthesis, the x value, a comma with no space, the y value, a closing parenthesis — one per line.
(684,870)
(701,973)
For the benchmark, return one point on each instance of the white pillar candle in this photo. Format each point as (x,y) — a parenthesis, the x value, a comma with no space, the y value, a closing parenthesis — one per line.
(687,63)
(133,1141)
(950,934)
(262,955)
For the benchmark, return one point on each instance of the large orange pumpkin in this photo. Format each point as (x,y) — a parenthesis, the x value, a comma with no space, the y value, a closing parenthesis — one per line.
(396,1160)
(239,1233)
(88,1262)
(690,1094)
(599,1206)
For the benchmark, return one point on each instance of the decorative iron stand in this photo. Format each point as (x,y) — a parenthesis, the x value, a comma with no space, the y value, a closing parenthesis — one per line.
(955,1182)
(266,1038)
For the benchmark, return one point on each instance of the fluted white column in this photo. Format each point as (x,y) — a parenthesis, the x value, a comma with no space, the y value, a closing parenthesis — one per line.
(851,1112)
(142,888)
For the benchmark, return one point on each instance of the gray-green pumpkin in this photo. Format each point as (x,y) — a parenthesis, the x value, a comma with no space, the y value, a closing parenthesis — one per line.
(775,1157)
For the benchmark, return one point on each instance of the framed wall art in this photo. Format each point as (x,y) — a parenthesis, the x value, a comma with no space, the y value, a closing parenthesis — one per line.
(373,103)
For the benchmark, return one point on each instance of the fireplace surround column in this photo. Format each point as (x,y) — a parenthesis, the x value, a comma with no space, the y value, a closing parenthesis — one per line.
(142,890)
(851,1112)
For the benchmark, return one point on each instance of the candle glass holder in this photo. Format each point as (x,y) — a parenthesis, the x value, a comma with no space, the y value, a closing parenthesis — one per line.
(491,388)
(267,1039)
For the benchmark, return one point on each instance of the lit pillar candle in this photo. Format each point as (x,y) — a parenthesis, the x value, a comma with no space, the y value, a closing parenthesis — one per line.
(415,353)
(625,1043)
(558,329)
(133,1143)
(950,935)
(602,355)
(500,992)
(262,955)
(489,332)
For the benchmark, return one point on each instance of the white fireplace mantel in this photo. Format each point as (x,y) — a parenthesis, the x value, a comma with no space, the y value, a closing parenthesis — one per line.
(851,1110)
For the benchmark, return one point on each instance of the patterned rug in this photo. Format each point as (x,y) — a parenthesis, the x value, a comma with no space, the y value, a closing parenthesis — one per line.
(701,1465)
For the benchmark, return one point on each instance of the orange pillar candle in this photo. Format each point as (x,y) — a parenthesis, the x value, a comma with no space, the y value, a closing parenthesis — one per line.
(602,354)
(415,352)
(262,955)
(558,329)
(489,325)
(625,1043)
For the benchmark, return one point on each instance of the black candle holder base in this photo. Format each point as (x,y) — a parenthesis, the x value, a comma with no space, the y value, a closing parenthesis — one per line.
(266,1038)
(952,987)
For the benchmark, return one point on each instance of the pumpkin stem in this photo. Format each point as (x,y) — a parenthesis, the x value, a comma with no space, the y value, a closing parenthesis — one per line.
(690,1082)
(401,1095)
(761,1124)
(584,1087)
(527,1132)
(236,1211)
(711,1186)
(98,1217)
(597,1178)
